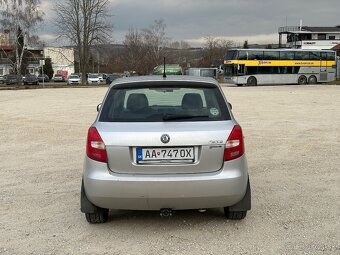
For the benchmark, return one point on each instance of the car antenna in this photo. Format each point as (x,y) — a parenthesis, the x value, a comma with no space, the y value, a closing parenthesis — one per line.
(164,73)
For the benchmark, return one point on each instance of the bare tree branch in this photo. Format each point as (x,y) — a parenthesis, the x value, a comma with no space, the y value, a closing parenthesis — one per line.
(214,50)
(84,23)
(20,17)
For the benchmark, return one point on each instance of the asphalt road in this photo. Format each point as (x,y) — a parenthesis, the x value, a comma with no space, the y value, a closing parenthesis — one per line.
(292,136)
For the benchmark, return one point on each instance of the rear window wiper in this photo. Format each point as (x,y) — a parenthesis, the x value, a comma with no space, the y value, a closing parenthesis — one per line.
(167,117)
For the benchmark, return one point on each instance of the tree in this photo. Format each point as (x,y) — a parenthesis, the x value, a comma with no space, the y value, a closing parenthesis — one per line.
(155,43)
(134,52)
(21,18)
(214,51)
(179,45)
(245,44)
(48,68)
(144,50)
(84,23)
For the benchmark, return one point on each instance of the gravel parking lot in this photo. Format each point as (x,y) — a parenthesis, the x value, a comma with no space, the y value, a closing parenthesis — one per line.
(292,136)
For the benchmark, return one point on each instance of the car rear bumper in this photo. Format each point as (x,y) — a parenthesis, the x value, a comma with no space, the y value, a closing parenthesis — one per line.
(153,192)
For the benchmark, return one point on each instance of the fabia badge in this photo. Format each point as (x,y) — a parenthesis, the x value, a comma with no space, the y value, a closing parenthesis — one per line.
(165,138)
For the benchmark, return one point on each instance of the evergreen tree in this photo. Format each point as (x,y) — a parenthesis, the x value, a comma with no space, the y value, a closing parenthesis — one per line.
(48,68)
(245,44)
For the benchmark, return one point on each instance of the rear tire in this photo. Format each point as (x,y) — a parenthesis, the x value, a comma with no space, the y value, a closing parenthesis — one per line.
(312,80)
(100,216)
(234,215)
(251,81)
(302,80)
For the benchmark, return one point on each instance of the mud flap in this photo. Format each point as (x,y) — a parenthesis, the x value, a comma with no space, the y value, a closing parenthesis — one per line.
(245,203)
(85,205)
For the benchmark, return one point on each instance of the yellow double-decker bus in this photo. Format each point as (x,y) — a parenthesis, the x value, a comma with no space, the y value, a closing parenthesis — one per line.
(279,66)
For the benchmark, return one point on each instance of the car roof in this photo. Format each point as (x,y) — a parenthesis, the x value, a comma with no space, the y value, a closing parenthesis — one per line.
(159,79)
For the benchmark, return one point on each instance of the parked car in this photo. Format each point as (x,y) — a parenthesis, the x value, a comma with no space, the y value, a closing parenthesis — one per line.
(93,79)
(30,79)
(43,78)
(58,78)
(101,77)
(13,79)
(73,79)
(164,144)
(2,79)
(110,78)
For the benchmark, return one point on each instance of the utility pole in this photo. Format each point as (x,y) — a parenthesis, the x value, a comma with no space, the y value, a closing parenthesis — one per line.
(92,64)
(98,60)
(42,63)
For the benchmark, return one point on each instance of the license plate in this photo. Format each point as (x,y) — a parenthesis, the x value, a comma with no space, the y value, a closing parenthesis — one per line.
(164,154)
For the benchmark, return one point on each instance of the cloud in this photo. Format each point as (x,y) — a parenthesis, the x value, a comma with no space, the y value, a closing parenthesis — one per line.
(192,20)
(48,37)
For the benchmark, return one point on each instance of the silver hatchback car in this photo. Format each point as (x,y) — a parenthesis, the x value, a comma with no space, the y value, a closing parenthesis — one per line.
(165,144)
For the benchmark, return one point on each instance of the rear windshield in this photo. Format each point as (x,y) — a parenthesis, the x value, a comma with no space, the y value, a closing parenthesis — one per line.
(159,103)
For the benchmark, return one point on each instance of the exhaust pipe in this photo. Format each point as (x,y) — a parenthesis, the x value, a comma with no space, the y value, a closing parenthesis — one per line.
(165,212)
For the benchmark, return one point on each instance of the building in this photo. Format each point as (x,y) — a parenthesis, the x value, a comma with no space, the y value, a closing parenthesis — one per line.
(305,37)
(5,51)
(32,58)
(62,59)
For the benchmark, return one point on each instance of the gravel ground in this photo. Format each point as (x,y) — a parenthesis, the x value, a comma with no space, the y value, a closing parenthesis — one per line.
(292,136)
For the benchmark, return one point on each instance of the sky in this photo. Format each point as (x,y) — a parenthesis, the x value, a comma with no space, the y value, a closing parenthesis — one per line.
(193,20)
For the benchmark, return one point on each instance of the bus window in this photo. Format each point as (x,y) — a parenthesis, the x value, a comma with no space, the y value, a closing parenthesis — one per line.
(286,69)
(255,55)
(296,69)
(271,55)
(314,55)
(242,55)
(268,70)
(327,56)
(229,70)
(301,55)
(330,56)
(231,55)
(287,55)
(251,70)
(240,69)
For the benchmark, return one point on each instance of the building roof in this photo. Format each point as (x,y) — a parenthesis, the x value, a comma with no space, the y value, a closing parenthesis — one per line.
(321,29)
(6,47)
(336,47)
(307,29)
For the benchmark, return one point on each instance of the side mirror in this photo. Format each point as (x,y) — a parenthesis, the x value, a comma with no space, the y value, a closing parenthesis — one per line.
(98,107)
(230,106)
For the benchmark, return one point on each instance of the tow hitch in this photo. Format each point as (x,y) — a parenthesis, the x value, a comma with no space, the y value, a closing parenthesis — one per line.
(165,212)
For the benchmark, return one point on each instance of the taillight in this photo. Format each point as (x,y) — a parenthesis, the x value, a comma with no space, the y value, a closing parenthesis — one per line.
(95,147)
(234,147)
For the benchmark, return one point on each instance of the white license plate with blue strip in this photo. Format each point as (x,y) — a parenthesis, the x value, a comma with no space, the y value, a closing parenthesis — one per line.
(165,154)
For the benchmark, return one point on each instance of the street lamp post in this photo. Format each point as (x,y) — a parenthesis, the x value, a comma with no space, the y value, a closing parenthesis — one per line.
(42,63)
(98,60)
